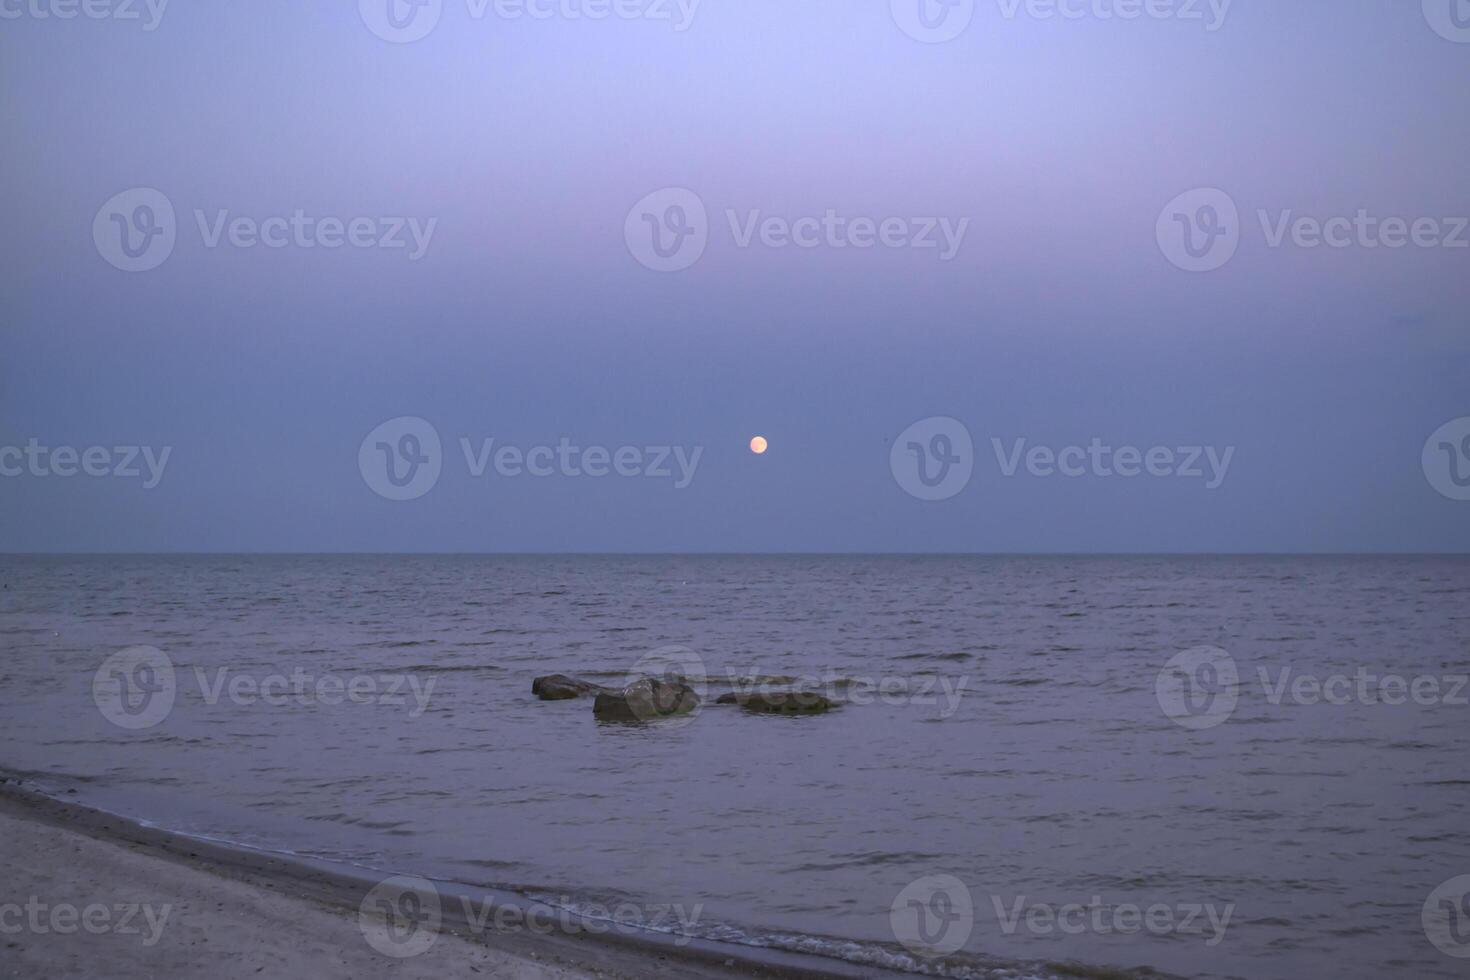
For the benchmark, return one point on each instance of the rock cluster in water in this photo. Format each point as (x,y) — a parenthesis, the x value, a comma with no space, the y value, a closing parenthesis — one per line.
(650,698)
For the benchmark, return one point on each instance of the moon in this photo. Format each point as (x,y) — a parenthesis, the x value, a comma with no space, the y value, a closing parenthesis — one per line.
(758,445)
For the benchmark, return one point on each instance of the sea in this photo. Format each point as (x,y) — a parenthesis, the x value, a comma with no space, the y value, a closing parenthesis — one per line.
(1212,766)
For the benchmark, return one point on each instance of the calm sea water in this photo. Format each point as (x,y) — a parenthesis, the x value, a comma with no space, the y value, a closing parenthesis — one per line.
(1056,778)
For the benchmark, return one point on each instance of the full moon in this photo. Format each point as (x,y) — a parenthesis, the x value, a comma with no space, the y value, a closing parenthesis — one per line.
(758,445)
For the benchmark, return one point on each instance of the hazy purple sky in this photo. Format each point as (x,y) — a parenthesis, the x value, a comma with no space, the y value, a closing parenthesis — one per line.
(528,318)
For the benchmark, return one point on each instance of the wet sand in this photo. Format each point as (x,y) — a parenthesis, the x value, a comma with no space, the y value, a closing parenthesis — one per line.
(204,909)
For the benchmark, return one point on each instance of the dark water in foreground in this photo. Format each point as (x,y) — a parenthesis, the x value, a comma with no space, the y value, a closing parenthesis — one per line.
(1019,746)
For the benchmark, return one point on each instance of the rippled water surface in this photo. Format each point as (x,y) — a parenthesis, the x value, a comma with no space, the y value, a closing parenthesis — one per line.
(1055,776)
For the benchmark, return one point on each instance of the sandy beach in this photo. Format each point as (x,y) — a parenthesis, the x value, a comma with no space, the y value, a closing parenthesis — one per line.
(88,891)
(192,922)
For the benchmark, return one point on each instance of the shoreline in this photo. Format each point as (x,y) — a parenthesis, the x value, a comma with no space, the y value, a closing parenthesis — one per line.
(224,905)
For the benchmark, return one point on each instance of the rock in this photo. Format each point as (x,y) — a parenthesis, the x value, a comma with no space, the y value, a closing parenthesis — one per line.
(779,702)
(645,700)
(560,687)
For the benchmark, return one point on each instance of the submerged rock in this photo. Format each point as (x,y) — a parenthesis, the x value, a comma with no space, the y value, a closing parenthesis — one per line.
(645,700)
(560,687)
(779,702)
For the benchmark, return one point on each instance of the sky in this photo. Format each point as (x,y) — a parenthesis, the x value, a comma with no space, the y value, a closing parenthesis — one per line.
(934,255)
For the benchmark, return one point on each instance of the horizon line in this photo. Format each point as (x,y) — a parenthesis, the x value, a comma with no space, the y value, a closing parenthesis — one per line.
(736,554)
